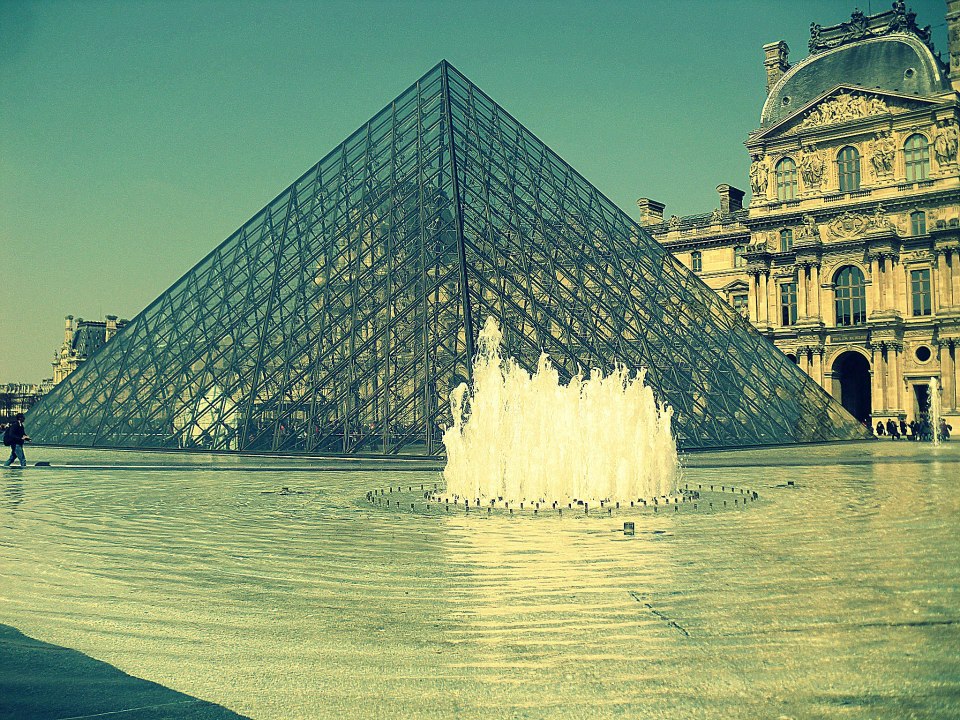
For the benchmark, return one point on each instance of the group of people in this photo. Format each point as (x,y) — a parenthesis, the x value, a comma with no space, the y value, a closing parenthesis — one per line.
(921,429)
(14,436)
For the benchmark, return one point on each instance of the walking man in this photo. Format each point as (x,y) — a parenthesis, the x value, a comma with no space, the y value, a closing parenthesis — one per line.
(15,436)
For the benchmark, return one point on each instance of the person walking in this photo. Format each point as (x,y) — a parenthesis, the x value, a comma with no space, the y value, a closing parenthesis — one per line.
(880,432)
(903,428)
(15,436)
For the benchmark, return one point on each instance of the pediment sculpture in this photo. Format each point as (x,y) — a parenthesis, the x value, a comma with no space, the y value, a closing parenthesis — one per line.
(845,106)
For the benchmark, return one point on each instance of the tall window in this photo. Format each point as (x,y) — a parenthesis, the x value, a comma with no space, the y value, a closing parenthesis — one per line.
(786,240)
(848,169)
(788,304)
(739,255)
(920,291)
(851,296)
(785,174)
(696,261)
(740,304)
(918,223)
(916,157)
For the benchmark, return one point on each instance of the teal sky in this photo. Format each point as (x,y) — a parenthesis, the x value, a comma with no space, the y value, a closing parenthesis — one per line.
(135,136)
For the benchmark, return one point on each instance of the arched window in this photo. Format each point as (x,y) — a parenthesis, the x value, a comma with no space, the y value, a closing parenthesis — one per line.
(916,157)
(785,175)
(786,240)
(848,169)
(851,296)
(696,261)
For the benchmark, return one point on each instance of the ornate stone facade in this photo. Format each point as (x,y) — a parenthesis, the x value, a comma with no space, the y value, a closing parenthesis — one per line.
(848,255)
(80,340)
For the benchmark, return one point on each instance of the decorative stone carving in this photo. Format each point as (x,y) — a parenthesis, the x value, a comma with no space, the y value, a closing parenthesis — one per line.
(879,221)
(716,216)
(883,150)
(845,106)
(849,225)
(861,27)
(813,165)
(674,222)
(759,170)
(946,142)
(809,229)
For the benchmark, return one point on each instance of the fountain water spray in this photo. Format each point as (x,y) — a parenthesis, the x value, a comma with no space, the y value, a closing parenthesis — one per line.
(521,437)
(935,412)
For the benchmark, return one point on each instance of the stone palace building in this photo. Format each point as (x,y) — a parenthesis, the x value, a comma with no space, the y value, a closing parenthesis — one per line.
(848,255)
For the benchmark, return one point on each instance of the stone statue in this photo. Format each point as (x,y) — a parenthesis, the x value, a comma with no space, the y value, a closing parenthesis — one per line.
(716,216)
(812,166)
(879,217)
(674,222)
(945,143)
(758,176)
(809,228)
(883,150)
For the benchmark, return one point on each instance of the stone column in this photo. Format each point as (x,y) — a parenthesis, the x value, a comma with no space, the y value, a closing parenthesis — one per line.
(875,281)
(815,282)
(877,377)
(801,292)
(900,280)
(955,276)
(947,375)
(942,282)
(752,295)
(898,376)
(818,365)
(764,300)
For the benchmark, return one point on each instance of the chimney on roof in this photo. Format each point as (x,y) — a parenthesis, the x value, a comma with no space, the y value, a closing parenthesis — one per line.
(111,328)
(953,41)
(775,61)
(68,331)
(651,211)
(731,198)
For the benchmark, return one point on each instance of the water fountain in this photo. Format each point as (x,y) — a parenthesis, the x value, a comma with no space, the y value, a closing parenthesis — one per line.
(935,412)
(522,438)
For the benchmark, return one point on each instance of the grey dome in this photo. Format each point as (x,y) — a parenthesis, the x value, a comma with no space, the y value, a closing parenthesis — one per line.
(898,63)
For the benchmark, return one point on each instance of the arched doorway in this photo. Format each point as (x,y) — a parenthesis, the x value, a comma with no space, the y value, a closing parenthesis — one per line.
(851,370)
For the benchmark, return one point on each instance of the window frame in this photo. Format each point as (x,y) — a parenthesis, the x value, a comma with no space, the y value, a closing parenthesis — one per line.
(918,223)
(788,303)
(696,261)
(850,300)
(848,169)
(786,240)
(785,179)
(916,157)
(921,292)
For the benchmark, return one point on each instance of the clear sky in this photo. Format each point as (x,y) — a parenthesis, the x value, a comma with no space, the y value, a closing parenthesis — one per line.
(135,136)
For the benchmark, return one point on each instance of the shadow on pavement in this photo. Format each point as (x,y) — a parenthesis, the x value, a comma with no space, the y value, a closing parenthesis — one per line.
(40,681)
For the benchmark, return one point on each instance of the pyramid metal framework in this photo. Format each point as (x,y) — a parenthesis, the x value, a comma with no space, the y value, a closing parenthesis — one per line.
(338,318)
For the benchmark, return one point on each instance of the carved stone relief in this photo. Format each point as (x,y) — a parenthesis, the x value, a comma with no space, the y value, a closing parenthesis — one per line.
(883,150)
(849,225)
(759,171)
(946,142)
(813,165)
(845,106)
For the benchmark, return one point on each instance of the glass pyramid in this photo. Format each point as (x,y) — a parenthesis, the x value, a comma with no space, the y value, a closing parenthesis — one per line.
(337,319)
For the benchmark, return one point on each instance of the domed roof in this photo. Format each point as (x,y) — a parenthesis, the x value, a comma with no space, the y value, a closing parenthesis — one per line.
(898,62)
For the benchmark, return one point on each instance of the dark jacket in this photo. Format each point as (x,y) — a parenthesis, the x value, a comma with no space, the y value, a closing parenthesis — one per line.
(17,431)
